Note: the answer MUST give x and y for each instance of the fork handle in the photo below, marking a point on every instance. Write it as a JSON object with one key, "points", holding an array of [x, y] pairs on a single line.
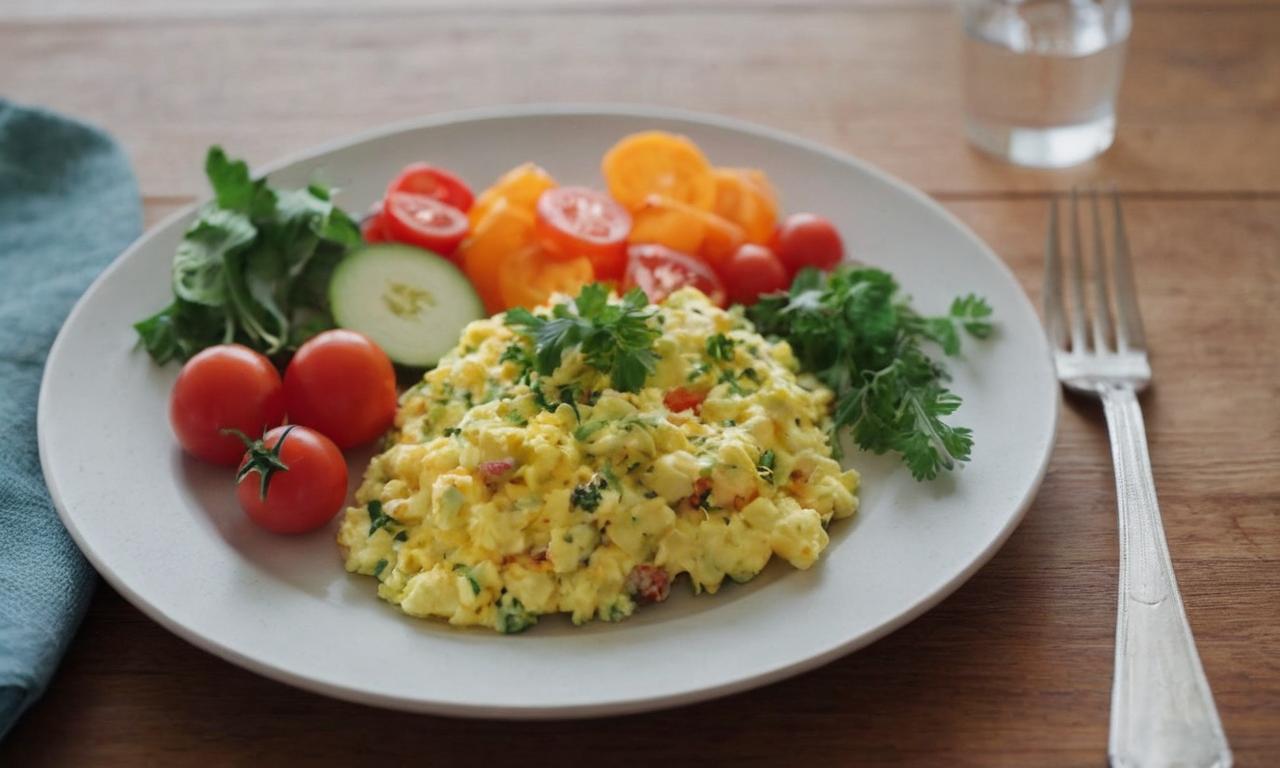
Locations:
{"points": [[1162, 711]]}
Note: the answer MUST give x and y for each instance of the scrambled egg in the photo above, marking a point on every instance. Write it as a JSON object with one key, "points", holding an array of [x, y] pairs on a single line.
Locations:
{"points": [[496, 502]]}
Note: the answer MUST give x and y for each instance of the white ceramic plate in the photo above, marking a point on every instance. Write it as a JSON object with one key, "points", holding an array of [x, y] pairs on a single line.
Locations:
{"points": [[165, 531]]}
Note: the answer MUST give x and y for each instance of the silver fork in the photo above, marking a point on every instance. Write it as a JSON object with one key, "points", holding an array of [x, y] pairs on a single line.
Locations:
{"points": [[1162, 712]]}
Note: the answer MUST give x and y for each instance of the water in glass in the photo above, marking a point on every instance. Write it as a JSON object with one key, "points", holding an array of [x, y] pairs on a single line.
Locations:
{"points": [[1041, 77]]}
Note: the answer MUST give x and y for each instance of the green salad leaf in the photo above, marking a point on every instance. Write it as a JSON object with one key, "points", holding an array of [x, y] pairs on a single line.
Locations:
{"points": [[855, 332], [252, 268]]}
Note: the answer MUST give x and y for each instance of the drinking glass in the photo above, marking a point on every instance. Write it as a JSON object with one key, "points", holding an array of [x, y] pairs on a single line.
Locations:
{"points": [[1041, 77]]}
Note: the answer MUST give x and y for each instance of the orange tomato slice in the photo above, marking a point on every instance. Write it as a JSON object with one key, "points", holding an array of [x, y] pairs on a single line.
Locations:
{"points": [[658, 163], [503, 231], [681, 227], [529, 277], [745, 197], [667, 222], [722, 241], [520, 187]]}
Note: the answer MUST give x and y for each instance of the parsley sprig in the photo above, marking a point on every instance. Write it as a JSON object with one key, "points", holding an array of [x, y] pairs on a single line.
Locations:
{"points": [[615, 338], [861, 338]]}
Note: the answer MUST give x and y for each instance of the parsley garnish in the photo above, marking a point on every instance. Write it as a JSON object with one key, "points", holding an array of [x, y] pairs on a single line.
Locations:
{"points": [[451, 431], [379, 568], [587, 496], [378, 518], [615, 338], [720, 347], [862, 339], [765, 466]]}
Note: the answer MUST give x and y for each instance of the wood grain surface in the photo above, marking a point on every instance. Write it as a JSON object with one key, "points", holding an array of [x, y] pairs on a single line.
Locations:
{"points": [[1013, 669]]}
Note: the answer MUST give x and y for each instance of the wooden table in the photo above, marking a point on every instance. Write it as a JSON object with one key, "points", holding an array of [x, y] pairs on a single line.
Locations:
{"points": [[1015, 668]]}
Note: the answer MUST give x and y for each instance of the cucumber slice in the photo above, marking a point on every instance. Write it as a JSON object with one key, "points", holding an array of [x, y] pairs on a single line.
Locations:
{"points": [[411, 302]]}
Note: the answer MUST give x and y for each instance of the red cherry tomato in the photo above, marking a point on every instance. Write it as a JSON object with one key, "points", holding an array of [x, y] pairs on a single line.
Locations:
{"points": [[424, 221], [428, 180], [576, 221], [306, 480], [659, 271], [224, 387], [342, 385], [807, 240], [372, 228], [751, 271], [681, 399]]}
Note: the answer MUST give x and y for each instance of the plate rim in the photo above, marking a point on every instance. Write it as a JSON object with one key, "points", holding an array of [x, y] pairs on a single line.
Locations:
{"points": [[576, 711]]}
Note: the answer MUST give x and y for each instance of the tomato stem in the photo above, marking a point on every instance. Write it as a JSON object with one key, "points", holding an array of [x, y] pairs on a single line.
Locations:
{"points": [[261, 459]]}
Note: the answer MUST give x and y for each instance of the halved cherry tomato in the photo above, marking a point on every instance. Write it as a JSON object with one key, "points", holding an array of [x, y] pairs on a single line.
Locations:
{"points": [[303, 494], [658, 163], [343, 385], [576, 221], [808, 240], [424, 221], [428, 180], [372, 230], [504, 229], [745, 197], [659, 271], [228, 386], [751, 271], [530, 277], [520, 187], [681, 399]]}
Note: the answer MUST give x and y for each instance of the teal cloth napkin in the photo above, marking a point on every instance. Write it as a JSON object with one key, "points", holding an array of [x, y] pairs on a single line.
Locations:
{"points": [[68, 205]]}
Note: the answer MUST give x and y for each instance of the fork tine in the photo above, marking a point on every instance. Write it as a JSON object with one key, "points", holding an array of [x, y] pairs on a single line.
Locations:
{"points": [[1075, 272], [1129, 331], [1101, 319], [1055, 322]]}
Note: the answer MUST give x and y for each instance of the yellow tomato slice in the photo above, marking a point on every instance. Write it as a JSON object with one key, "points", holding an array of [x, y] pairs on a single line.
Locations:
{"points": [[520, 187], [745, 197], [529, 277], [503, 231], [658, 163]]}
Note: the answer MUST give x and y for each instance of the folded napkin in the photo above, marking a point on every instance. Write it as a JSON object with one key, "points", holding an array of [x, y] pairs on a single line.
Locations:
{"points": [[68, 205]]}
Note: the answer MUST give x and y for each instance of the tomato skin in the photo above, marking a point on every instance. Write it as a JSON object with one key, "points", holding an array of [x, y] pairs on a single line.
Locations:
{"points": [[303, 497], [577, 221], [660, 271], [681, 399], [224, 387], [807, 240], [342, 385], [751, 271], [423, 221], [372, 229], [426, 179]]}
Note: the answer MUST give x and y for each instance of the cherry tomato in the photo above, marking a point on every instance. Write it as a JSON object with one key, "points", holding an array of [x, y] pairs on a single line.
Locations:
{"points": [[660, 271], [751, 271], [372, 229], [807, 240], [305, 480], [342, 385], [224, 387], [681, 399], [576, 221], [423, 221], [428, 180]]}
